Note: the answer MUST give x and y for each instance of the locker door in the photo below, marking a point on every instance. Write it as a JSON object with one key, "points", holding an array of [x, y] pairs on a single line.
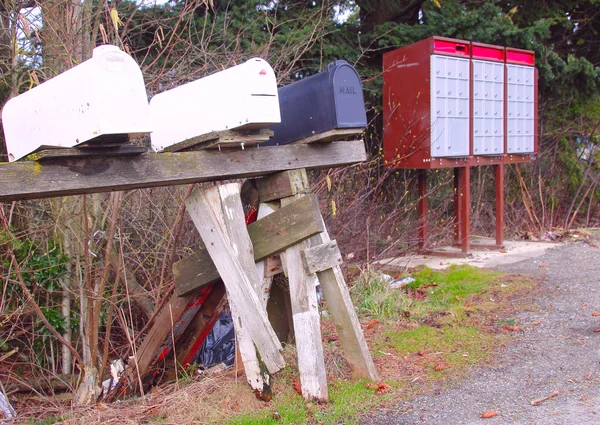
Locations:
{"points": [[520, 118], [488, 114], [449, 106]]}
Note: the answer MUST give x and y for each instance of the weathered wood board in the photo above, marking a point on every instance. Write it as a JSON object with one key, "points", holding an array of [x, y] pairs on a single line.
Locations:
{"points": [[61, 177], [235, 265], [332, 135], [282, 185], [307, 323], [223, 139], [269, 235], [322, 257]]}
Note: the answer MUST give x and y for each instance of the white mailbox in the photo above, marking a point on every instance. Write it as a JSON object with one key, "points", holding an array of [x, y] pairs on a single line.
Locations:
{"points": [[449, 106], [488, 108], [521, 109], [240, 97], [104, 96]]}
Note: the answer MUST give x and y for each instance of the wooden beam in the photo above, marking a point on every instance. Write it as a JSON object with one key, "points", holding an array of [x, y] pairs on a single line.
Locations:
{"points": [[269, 235], [193, 272], [286, 227], [222, 228], [282, 185], [322, 257], [307, 324], [341, 309], [62, 177]]}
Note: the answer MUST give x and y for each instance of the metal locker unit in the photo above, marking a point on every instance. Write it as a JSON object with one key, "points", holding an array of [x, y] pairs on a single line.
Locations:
{"points": [[449, 106], [103, 98], [426, 107], [488, 103], [329, 100], [521, 105], [240, 97]]}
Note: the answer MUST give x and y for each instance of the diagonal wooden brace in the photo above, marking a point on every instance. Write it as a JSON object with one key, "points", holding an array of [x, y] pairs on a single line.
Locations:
{"points": [[218, 215]]}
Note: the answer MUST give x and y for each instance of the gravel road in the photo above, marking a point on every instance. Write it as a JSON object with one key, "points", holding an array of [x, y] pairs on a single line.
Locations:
{"points": [[557, 351]]}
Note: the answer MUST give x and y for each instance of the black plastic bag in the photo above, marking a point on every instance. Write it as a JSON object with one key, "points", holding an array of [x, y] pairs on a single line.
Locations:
{"points": [[219, 346]]}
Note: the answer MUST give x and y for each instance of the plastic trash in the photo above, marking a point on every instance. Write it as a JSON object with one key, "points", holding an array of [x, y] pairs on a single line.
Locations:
{"points": [[219, 346], [395, 283]]}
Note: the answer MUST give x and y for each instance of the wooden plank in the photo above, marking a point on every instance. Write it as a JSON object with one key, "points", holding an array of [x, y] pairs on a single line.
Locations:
{"points": [[193, 272], [307, 324], [198, 329], [282, 185], [269, 235], [62, 177], [321, 257], [285, 227], [341, 309], [223, 138], [97, 151], [332, 135], [204, 207]]}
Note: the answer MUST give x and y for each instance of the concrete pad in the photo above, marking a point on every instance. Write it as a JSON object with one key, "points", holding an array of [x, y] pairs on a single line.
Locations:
{"points": [[514, 251]]}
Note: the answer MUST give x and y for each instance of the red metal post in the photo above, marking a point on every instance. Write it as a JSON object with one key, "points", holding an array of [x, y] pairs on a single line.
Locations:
{"points": [[422, 207], [499, 204], [457, 206], [465, 219]]}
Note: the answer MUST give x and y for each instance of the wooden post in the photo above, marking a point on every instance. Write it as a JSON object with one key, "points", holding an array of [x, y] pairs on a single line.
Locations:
{"points": [[218, 215], [307, 323], [499, 204]]}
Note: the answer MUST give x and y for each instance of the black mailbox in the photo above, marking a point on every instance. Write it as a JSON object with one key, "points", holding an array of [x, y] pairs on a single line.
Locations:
{"points": [[329, 100]]}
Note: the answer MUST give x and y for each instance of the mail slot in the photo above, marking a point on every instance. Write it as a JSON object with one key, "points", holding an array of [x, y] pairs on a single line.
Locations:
{"points": [[240, 97], [101, 98], [329, 100]]}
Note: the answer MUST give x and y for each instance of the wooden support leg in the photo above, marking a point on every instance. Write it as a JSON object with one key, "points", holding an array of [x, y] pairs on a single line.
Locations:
{"points": [[465, 220], [341, 309], [307, 323], [218, 215], [422, 208], [499, 204]]}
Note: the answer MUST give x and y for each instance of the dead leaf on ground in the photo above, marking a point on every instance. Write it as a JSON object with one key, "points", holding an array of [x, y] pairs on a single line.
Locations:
{"points": [[382, 388], [541, 400], [297, 386], [502, 251], [595, 314], [468, 304], [541, 266], [423, 352], [489, 414], [441, 366], [510, 328], [372, 323], [597, 330]]}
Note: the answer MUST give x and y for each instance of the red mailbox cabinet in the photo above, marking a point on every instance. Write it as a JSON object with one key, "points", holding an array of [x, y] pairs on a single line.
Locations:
{"points": [[455, 103], [426, 105]]}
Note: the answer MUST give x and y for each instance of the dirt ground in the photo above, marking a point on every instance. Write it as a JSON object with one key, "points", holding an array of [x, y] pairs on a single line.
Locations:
{"points": [[556, 353]]}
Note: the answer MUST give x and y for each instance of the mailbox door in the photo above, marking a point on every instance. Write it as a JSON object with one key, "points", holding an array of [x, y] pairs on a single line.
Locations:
{"points": [[488, 108], [348, 95], [449, 106], [520, 109]]}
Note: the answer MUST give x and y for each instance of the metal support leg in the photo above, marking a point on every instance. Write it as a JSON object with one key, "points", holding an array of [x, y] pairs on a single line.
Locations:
{"points": [[422, 207], [465, 218], [457, 206], [499, 204]]}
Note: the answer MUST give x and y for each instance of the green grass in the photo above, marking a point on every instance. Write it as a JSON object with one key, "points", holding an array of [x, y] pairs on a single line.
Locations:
{"points": [[347, 400], [444, 291]]}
